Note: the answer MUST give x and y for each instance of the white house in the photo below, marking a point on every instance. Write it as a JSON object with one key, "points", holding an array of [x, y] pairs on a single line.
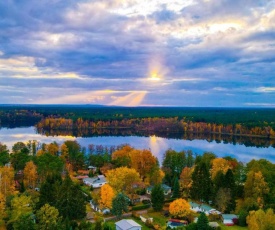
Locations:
{"points": [[127, 224], [228, 219], [96, 181]]}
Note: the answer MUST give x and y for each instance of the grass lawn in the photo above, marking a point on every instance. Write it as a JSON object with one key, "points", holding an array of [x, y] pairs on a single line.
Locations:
{"points": [[223, 227], [158, 218]]}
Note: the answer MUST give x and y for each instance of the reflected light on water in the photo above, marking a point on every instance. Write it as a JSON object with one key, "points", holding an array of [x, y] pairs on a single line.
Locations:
{"points": [[157, 145]]}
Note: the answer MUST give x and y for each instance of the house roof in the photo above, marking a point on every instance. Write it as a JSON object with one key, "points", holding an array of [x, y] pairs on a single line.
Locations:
{"points": [[95, 180], [164, 187], [125, 224], [229, 216]]}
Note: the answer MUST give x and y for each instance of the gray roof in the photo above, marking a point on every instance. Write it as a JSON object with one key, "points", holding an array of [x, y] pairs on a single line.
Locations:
{"points": [[125, 224], [97, 179], [229, 216], [164, 187]]}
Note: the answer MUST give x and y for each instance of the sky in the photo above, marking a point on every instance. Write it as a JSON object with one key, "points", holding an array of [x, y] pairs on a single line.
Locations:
{"points": [[216, 53]]}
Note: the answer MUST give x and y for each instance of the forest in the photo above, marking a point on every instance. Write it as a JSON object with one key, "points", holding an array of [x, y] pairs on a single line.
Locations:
{"points": [[41, 187], [24, 115]]}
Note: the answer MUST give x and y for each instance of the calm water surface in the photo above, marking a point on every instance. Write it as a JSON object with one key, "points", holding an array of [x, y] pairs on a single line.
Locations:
{"points": [[157, 145]]}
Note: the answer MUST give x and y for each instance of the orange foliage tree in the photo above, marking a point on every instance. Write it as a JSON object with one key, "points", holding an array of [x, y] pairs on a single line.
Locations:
{"points": [[30, 175], [186, 180], [219, 164], [7, 184], [180, 208], [106, 196]]}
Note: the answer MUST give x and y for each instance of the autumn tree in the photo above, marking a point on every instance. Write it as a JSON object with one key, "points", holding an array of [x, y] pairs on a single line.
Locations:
{"points": [[255, 189], [180, 208], [261, 220], [121, 157], [7, 184], [143, 162], [52, 148], [64, 152], [30, 175], [186, 180], [222, 198], [156, 176], [47, 217], [106, 196], [119, 205], [20, 205], [2, 208], [123, 179], [157, 197], [219, 164]]}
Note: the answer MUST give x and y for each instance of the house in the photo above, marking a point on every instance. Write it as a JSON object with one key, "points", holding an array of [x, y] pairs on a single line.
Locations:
{"points": [[92, 168], [229, 219], [95, 207], [127, 224], [95, 182], [166, 189]]}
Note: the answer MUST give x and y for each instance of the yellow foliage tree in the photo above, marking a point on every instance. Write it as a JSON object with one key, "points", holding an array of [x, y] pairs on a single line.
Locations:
{"points": [[52, 148], [180, 208], [156, 176], [7, 184], [260, 220], [123, 179], [219, 164], [30, 175], [64, 152], [2, 208], [255, 188], [186, 180], [106, 196], [40, 152], [20, 205]]}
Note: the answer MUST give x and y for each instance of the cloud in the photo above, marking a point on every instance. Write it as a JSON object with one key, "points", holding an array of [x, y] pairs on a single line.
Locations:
{"points": [[217, 51]]}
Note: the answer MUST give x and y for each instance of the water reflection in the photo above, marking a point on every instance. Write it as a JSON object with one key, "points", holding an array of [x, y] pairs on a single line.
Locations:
{"points": [[158, 145]]}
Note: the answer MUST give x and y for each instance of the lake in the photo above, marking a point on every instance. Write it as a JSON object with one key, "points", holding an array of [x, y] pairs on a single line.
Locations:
{"points": [[158, 145]]}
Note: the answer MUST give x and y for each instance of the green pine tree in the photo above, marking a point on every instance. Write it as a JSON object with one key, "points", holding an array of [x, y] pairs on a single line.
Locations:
{"points": [[202, 185], [120, 205], [176, 188], [71, 200], [202, 223], [157, 197]]}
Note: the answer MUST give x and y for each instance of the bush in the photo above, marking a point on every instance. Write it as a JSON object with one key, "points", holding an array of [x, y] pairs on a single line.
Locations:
{"points": [[242, 218], [192, 226], [140, 207]]}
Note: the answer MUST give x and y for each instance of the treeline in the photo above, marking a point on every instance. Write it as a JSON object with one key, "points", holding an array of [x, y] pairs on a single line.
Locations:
{"points": [[248, 117], [156, 125]]}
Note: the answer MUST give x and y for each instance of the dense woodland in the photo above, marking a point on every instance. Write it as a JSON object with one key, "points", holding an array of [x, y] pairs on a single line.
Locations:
{"points": [[39, 188], [16, 115]]}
